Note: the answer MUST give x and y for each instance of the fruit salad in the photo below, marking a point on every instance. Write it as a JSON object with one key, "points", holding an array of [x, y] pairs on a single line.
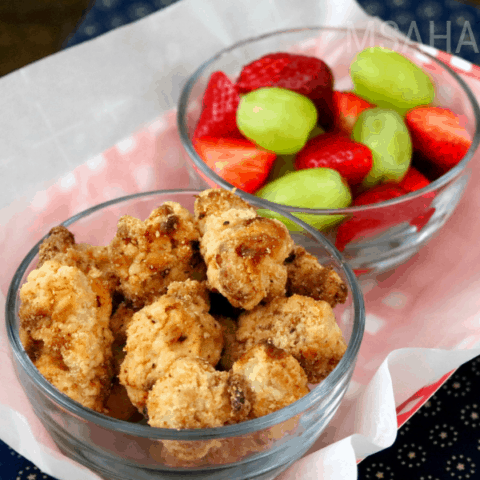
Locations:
{"points": [[282, 132]]}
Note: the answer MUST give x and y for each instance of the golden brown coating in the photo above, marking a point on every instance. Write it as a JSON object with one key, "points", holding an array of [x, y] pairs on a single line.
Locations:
{"points": [[149, 255], [274, 376], [303, 327], [216, 201], [244, 253], [307, 277], [93, 261], [176, 325], [232, 349], [192, 394], [65, 316]]}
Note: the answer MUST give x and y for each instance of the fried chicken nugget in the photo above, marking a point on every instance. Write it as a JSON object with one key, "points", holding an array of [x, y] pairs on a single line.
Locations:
{"points": [[308, 278], [64, 319], [92, 260], [274, 376], [176, 325], [149, 255], [303, 327], [192, 394], [244, 253]]}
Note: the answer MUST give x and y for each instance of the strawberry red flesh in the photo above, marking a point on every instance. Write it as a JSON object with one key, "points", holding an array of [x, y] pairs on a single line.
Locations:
{"points": [[351, 159], [239, 162], [346, 108], [219, 107], [308, 76], [372, 222], [438, 136], [414, 180]]}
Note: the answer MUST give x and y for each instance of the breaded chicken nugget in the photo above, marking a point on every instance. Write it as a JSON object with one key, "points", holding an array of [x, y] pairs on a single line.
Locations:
{"points": [[93, 261], [244, 253], [149, 255], [307, 277], [64, 319], [192, 394], [274, 376], [176, 325], [303, 327]]}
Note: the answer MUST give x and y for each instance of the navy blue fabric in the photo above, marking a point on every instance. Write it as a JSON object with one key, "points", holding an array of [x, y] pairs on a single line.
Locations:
{"points": [[106, 15], [442, 441]]}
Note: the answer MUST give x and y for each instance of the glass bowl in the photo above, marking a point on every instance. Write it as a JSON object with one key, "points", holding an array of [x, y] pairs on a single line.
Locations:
{"points": [[388, 233], [115, 449]]}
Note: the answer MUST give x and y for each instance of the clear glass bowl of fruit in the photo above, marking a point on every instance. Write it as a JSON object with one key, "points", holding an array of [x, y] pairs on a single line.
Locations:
{"points": [[368, 141]]}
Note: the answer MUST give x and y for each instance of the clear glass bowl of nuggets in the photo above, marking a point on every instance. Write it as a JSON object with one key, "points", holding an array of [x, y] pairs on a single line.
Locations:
{"points": [[177, 333]]}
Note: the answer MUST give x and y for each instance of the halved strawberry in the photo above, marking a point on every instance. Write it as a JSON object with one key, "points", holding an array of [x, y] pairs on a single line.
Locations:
{"points": [[372, 222], [438, 136], [306, 75], [414, 180], [239, 162], [351, 159], [346, 108], [219, 108]]}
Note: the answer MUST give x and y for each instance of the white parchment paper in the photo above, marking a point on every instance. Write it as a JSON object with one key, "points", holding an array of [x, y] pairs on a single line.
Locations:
{"points": [[60, 111]]}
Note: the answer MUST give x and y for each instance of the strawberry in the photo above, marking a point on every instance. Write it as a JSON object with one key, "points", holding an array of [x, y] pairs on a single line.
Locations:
{"points": [[220, 102], [238, 161], [417, 212], [346, 108], [368, 221], [351, 159], [414, 180], [380, 193], [308, 76], [438, 136]]}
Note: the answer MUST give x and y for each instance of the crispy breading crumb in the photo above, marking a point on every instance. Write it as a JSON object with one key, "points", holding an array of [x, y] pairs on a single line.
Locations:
{"points": [[216, 201], [307, 277], [304, 327]]}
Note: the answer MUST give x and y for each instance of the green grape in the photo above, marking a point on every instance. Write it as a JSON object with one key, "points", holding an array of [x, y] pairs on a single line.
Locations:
{"points": [[276, 119], [387, 136], [311, 188], [389, 80]]}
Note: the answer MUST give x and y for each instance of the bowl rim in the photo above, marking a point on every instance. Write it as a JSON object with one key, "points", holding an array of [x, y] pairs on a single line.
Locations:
{"points": [[209, 173], [145, 431]]}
